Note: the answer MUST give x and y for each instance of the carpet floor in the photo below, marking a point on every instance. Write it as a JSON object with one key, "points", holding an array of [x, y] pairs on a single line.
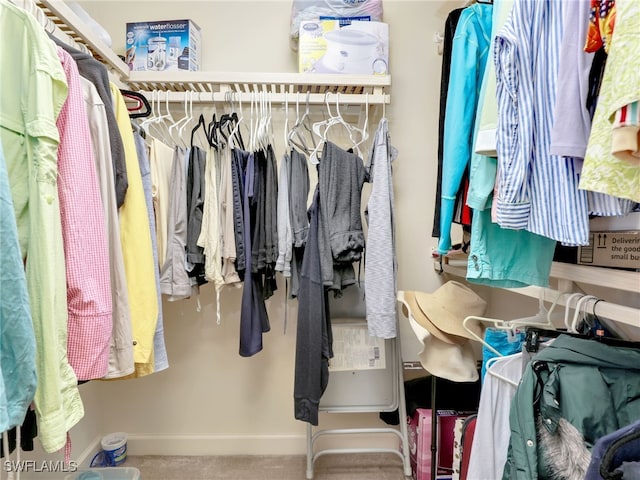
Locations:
{"points": [[256, 467]]}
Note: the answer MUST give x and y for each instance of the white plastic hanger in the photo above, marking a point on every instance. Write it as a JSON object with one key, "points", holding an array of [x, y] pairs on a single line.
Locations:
{"points": [[163, 121], [175, 130], [364, 131], [236, 128], [488, 366], [289, 141], [286, 119], [577, 318], [567, 307], [187, 121], [297, 135], [322, 127], [147, 121], [542, 319], [253, 120]]}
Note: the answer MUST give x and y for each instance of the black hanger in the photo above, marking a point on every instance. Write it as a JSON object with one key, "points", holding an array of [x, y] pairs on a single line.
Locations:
{"points": [[141, 101], [533, 335], [201, 123], [212, 132], [225, 123], [238, 134]]}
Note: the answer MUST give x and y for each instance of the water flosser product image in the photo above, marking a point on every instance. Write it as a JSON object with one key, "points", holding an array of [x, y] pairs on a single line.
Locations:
{"points": [[157, 53], [174, 50]]}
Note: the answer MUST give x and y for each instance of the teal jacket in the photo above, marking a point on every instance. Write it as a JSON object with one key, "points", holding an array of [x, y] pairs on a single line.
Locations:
{"points": [[595, 387]]}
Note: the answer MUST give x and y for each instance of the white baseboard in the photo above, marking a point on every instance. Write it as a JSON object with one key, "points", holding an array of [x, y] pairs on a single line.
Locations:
{"points": [[82, 462], [150, 444], [85, 457]]}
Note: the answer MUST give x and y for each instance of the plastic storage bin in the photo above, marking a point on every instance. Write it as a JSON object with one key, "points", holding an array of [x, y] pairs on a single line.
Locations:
{"points": [[107, 473]]}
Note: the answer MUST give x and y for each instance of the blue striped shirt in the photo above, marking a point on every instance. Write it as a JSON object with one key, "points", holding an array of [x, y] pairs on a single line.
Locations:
{"points": [[537, 191]]}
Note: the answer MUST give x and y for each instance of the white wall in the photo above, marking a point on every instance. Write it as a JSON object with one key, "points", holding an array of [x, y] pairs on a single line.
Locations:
{"points": [[210, 400]]}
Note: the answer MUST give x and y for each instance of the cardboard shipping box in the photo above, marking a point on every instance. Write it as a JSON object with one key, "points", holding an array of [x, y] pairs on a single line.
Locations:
{"points": [[619, 249]]}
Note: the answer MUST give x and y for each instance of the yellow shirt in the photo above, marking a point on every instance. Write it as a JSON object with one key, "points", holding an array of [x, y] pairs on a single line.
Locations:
{"points": [[135, 235]]}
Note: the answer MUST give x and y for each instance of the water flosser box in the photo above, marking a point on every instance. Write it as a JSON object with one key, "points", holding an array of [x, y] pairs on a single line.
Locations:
{"points": [[163, 45]]}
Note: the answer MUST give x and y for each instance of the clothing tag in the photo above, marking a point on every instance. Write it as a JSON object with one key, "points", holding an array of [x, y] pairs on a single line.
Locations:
{"points": [[511, 336]]}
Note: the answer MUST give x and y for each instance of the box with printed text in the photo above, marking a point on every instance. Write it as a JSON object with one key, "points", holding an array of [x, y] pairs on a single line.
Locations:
{"points": [[328, 46], [618, 249], [163, 45]]}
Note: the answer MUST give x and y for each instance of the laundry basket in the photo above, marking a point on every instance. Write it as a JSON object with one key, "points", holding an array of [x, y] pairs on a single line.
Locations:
{"points": [[107, 473]]}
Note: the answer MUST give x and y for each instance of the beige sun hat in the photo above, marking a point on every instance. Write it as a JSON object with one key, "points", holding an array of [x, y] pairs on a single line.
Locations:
{"points": [[455, 362], [445, 309]]}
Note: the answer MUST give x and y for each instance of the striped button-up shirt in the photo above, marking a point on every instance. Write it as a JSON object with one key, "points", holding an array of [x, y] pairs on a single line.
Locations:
{"points": [[537, 191]]}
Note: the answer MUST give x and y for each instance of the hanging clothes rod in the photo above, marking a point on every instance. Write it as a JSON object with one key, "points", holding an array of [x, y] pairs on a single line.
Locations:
{"points": [[246, 97]]}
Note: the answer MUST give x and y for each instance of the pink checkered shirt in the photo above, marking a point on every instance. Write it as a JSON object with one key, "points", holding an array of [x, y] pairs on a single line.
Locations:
{"points": [[84, 235]]}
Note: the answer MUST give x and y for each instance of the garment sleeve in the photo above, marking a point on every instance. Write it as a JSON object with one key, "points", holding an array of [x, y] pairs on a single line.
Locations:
{"points": [[57, 400], [513, 135], [458, 126], [285, 235]]}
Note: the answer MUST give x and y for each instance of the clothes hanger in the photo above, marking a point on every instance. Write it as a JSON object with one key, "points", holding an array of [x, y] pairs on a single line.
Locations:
{"points": [[141, 101], [533, 335], [262, 121], [336, 119], [235, 136], [488, 366], [175, 128], [293, 136], [144, 125], [286, 119], [364, 135], [351, 128], [270, 124], [567, 307], [576, 316], [252, 119], [160, 123], [225, 122], [542, 319], [296, 136], [201, 123], [187, 121]]}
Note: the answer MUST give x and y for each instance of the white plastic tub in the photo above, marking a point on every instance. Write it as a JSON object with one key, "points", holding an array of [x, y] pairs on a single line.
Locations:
{"points": [[107, 473]]}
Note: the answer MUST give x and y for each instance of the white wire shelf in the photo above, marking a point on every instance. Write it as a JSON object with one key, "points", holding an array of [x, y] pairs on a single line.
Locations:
{"points": [[221, 86], [623, 280]]}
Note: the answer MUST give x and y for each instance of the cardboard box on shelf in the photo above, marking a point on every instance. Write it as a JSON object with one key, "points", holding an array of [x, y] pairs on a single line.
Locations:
{"points": [[360, 48], [163, 45], [619, 249]]}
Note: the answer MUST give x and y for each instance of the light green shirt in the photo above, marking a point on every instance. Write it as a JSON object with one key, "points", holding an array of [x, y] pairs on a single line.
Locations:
{"points": [[32, 93], [602, 171], [485, 143]]}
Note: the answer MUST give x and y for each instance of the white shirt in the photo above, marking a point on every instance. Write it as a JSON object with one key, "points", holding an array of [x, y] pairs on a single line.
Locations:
{"points": [[492, 433]]}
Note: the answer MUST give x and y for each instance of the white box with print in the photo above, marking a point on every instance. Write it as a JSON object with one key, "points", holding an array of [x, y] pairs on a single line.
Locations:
{"points": [[357, 48], [163, 45]]}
